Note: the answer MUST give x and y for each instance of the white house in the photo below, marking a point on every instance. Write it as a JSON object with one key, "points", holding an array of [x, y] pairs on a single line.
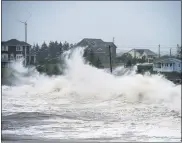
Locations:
{"points": [[143, 53], [168, 65]]}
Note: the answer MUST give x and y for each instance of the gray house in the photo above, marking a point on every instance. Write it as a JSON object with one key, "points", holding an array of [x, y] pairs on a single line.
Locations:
{"points": [[167, 65], [13, 50], [100, 49]]}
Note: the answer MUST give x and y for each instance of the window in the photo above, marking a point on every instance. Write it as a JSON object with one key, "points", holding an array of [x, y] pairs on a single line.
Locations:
{"points": [[4, 65], [18, 56], [99, 49], [4, 57], [170, 65], [28, 49], [179, 65], [158, 65], [18, 48], [4, 48], [93, 43]]}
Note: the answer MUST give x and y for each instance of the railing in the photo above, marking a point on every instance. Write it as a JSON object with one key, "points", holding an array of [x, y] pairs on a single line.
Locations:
{"points": [[4, 60], [7, 60]]}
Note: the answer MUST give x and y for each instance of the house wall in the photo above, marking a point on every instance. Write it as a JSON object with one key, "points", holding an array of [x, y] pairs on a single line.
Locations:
{"points": [[178, 67], [147, 56], [113, 54], [4, 57], [150, 58], [102, 53], [13, 54], [168, 67], [101, 50], [165, 67], [102, 56]]}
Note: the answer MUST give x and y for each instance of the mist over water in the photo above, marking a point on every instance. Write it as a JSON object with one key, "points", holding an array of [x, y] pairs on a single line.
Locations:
{"points": [[90, 103]]}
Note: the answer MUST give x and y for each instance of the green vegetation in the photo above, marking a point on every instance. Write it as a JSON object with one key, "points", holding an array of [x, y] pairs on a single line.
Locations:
{"points": [[48, 57]]}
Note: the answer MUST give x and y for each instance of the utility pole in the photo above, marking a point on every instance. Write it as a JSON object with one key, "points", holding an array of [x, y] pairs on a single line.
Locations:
{"points": [[25, 40], [177, 51], [26, 32], [159, 50], [110, 58], [25, 22], [113, 39], [170, 52]]}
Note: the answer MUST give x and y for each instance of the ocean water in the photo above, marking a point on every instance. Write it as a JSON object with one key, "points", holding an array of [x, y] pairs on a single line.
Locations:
{"points": [[86, 103]]}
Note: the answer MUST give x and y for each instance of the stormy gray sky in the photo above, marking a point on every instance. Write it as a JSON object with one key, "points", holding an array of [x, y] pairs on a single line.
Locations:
{"points": [[133, 24]]}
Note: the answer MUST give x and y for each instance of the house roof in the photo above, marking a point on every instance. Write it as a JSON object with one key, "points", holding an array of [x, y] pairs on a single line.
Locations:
{"points": [[167, 60], [95, 43], [14, 42], [111, 44], [90, 42], [147, 51]]}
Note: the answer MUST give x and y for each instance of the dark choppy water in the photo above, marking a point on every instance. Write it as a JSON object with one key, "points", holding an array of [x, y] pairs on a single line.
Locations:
{"points": [[129, 122]]}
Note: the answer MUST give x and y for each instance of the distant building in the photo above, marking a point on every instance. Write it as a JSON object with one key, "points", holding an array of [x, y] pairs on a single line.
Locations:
{"points": [[167, 65], [146, 54], [13, 50], [99, 48]]}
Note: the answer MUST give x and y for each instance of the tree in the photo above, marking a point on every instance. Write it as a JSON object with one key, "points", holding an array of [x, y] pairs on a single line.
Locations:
{"points": [[125, 57], [51, 50], [37, 48], [56, 43], [44, 46], [66, 46], [60, 46], [128, 63], [71, 46], [33, 46], [56, 70], [40, 68], [51, 44], [48, 69], [138, 60]]}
